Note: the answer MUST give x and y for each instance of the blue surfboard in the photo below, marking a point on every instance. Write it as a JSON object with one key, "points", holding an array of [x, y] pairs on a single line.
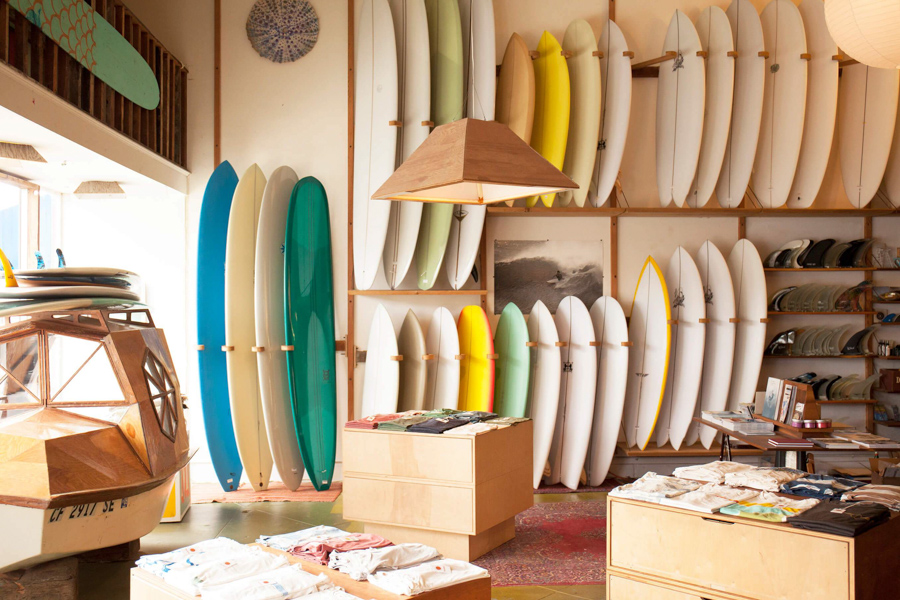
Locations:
{"points": [[211, 325]]}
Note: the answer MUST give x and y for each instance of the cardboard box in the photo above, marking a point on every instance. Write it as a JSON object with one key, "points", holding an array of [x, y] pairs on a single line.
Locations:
{"points": [[878, 466], [890, 380]]}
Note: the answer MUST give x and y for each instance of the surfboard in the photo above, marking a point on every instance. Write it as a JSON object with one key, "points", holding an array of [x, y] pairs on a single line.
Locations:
{"points": [[414, 111], [611, 332], [268, 289], [411, 346], [442, 371], [66, 291], [714, 31], [513, 363], [545, 376], [515, 89], [867, 113], [211, 239], [751, 308], [240, 332], [445, 41], [680, 99], [784, 103], [577, 391], [374, 138], [476, 368], [584, 113], [688, 308], [746, 111], [96, 45], [15, 308], [309, 329], [821, 106], [648, 357], [892, 171], [615, 112], [551, 107], [382, 378], [85, 276]]}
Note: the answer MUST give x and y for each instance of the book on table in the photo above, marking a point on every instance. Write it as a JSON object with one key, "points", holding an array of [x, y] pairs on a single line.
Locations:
{"points": [[789, 441], [773, 396], [833, 443]]}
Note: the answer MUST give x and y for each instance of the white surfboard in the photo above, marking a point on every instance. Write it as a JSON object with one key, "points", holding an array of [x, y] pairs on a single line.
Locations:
{"points": [[480, 78], [720, 333], [66, 291], [411, 346], [382, 378], [680, 97], [648, 358], [867, 113], [615, 112], [268, 289], [441, 371], [611, 332], [715, 37], [688, 307], [821, 106], [374, 138], [746, 112], [784, 103], [584, 109], [240, 332], [751, 308], [577, 391], [545, 378], [414, 111]]}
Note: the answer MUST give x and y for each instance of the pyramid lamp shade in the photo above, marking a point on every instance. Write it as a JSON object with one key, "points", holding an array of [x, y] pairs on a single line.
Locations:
{"points": [[866, 30], [473, 162]]}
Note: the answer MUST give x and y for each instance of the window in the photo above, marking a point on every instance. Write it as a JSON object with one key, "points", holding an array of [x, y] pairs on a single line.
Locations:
{"points": [[80, 371], [29, 221], [162, 394], [12, 223], [20, 371]]}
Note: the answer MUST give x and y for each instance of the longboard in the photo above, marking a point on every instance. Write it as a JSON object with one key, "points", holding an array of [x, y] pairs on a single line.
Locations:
{"points": [[411, 346], [551, 107], [545, 377], [382, 378], [513, 363], [442, 371], [66, 291], [476, 368], [751, 309], [85, 276]]}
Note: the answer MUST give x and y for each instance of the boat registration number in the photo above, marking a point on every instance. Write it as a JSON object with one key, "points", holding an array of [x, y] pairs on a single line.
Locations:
{"points": [[83, 511]]}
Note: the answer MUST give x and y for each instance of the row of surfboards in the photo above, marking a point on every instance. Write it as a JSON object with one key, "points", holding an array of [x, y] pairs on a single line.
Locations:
{"points": [[265, 325]]}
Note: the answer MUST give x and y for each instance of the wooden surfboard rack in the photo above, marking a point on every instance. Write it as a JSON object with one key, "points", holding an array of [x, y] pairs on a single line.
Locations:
{"points": [[562, 344], [287, 348], [531, 344], [258, 349], [595, 344], [428, 357], [627, 344], [460, 357], [397, 358], [493, 356], [227, 348]]}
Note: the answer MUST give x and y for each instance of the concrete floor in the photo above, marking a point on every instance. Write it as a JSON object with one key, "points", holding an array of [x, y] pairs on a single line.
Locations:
{"points": [[244, 522]]}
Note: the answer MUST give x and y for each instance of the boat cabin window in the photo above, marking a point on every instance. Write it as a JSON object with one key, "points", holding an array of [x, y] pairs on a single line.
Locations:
{"points": [[80, 371], [162, 394], [20, 371]]}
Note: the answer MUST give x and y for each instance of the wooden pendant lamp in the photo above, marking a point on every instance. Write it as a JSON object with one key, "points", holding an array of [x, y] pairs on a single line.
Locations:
{"points": [[473, 162]]}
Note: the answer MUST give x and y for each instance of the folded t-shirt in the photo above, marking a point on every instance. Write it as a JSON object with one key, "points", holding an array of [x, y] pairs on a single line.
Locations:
{"points": [[714, 472], [822, 487], [285, 582], [359, 564], [371, 422], [437, 425], [251, 560], [196, 554], [727, 492], [317, 549], [886, 495], [698, 501], [509, 420], [767, 479], [848, 519], [286, 541], [653, 488], [332, 594], [478, 428], [475, 416], [768, 507], [427, 576], [402, 424]]}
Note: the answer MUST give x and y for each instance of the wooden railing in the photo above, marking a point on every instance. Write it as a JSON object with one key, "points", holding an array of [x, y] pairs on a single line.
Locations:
{"points": [[162, 130]]}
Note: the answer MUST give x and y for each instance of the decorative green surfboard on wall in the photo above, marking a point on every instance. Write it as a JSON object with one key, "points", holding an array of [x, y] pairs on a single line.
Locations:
{"points": [[94, 43]]}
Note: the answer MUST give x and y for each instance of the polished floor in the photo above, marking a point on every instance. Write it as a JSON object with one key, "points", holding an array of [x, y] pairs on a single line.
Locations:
{"points": [[244, 522]]}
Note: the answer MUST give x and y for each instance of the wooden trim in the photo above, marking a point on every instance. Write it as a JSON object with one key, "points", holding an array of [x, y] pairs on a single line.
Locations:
{"points": [[417, 292], [614, 257], [11, 179], [670, 55], [351, 308], [217, 83]]}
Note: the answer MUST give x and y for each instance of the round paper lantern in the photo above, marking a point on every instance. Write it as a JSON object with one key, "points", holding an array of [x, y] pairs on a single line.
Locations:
{"points": [[866, 30]]}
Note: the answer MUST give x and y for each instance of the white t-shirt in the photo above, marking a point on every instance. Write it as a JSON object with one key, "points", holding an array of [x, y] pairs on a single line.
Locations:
{"points": [[427, 576], [767, 479], [205, 551], [728, 493], [286, 541], [713, 472], [285, 582], [653, 488], [332, 594], [698, 501], [226, 568], [359, 564]]}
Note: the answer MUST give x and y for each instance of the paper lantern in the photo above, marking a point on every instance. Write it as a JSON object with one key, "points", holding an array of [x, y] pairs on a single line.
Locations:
{"points": [[866, 30]]}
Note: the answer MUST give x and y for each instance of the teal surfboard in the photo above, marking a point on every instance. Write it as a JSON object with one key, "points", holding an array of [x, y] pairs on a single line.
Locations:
{"points": [[309, 328], [513, 365], [94, 43]]}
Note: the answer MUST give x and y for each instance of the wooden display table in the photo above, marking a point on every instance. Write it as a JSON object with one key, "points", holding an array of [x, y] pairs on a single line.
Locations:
{"points": [[457, 493], [661, 553]]}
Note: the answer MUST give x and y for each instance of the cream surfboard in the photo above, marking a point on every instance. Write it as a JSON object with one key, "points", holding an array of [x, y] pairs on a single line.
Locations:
{"points": [[784, 103], [680, 98], [688, 307], [545, 378], [648, 358], [577, 391], [66, 291], [270, 332], [715, 37], [615, 112], [580, 47], [746, 111], [751, 309], [374, 137], [240, 334], [411, 346], [382, 378], [515, 89], [892, 172], [414, 111], [867, 113], [551, 107], [821, 106], [442, 365], [611, 333]]}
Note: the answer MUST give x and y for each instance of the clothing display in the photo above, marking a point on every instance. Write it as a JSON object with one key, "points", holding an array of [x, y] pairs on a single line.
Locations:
{"points": [[848, 519], [318, 549], [370, 422], [478, 428], [698, 501], [440, 413], [402, 424], [427, 576], [768, 507], [205, 551], [285, 582], [768, 479], [475, 416], [437, 425], [653, 488], [712, 472], [359, 564], [886, 495], [243, 562], [822, 487], [286, 541], [508, 420], [727, 492], [332, 594]]}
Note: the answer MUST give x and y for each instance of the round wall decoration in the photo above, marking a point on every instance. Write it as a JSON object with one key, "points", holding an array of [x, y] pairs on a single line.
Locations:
{"points": [[283, 30]]}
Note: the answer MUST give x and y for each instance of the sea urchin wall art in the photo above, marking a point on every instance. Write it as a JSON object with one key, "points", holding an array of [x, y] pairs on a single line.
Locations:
{"points": [[283, 30]]}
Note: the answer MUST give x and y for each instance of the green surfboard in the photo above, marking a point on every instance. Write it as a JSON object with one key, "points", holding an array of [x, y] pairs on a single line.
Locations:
{"points": [[309, 328], [94, 43], [513, 365]]}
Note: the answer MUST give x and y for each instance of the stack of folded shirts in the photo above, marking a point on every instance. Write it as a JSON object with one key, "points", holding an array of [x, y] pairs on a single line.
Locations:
{"points": [[318, 549], [653, 488], [848, 519], [437, 425], [204, 551], [709, 498], [822, 487], [285, 582], [359, 564], [714, 472], [475, 416], [427, 576], [508, 420], [286, 541], [438, 413], [332, 594], [886, 495], [768, 507], [402, 424], [478, 428], [370, 422], [767, 479]]}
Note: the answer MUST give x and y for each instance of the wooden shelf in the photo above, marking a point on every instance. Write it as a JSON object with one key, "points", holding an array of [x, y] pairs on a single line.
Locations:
{"points": [[827, 212], [822, 269], [418, 292], [658, 211], [888, 423], [818, 356], [887, 357], [670, 211], [561, 211], [778, 313], [850, 401], [695, 450]]}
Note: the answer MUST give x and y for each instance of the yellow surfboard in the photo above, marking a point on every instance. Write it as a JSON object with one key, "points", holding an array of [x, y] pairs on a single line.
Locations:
{"points": [[476, 366], [551, 107]]}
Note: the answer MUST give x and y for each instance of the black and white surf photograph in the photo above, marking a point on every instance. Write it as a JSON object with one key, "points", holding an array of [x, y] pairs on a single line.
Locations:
{"points": [[526, 271]]}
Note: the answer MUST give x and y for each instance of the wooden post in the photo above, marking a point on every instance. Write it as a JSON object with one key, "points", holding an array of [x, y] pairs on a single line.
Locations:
{"points": [[351, 318], [870, 320], [217, 83], [742, 228], [483, 266], [612, 10]]}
